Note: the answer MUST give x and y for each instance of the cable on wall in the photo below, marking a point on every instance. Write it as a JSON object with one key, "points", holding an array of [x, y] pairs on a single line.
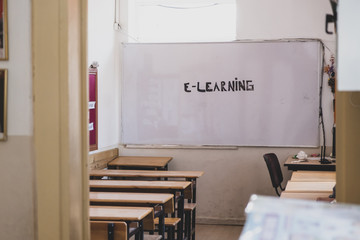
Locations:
{"points": [[117, 25]]}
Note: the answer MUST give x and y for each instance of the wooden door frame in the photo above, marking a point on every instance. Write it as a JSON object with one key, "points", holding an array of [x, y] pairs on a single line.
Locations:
{"points": [[347, 147], [59, 49]]}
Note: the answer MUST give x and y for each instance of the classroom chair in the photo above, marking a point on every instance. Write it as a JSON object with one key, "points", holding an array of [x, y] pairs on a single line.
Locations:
{"points": [[273, 166]]}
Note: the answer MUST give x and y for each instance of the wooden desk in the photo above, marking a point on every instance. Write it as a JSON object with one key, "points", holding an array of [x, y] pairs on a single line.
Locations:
{"points": [[313, 176], [128, 174], [101, 230], [174, 187], [143, 186], [304, 195], [151, 199], [146, 173], [310, 165], [310, 187], [144, 216], [164, 200], [140, 163]]}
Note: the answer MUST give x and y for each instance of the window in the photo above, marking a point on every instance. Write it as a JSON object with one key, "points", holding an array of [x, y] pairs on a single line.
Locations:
{"points": [[182, 20]]}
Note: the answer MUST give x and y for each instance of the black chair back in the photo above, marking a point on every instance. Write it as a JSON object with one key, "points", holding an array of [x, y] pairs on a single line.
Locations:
{"points": [[273, 166]]}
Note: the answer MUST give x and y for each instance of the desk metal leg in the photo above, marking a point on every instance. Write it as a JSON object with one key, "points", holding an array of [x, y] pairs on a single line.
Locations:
{"points": [[128, 231], [187, 225], [140, 234], [111, 227], [181, 216], [162, 224], [193, 224]]}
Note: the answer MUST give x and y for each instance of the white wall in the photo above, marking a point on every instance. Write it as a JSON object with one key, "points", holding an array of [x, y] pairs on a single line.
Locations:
{"points": [[16, 154], [20, 121], [103, 48], [231, 176]]}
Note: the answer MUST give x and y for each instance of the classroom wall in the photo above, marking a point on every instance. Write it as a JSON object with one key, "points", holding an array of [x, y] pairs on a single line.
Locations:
{"points": [[16, 154], [231, 176], [103, 47]]}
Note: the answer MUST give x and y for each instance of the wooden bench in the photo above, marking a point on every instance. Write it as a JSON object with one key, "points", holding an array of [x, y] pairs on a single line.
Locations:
{"points": [[103, 230], [190, 215], [170, 225]]}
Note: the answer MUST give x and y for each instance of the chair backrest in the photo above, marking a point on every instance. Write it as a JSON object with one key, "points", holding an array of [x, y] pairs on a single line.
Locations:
{"points": [[104, 230], [273, 166]]}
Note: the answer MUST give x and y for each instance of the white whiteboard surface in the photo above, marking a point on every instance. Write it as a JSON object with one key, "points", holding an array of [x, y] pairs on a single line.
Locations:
{"points": [[167, 97]]}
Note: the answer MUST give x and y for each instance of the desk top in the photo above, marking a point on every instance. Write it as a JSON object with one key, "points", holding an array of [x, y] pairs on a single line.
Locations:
{"points": [[145, 173], [116, 213], [316, 187], [304, 195], [177, 185], [130, 184], [131, 197], [313, 176], [312, 164], [137, 161]]}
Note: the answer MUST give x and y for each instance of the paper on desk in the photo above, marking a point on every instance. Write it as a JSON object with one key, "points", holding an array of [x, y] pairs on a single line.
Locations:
{"points": [[301, 155], [282, 219]]}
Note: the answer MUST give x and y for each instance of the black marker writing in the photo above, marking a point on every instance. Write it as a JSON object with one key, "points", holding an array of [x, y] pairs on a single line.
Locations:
{"points": [[223, 86]]}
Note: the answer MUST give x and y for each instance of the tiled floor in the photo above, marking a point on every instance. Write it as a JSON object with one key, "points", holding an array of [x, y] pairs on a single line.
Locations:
{"points": [[217, 232]]}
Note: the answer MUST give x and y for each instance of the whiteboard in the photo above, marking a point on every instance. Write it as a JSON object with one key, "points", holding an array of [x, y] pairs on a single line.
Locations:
{"points": [[223, 94]]}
